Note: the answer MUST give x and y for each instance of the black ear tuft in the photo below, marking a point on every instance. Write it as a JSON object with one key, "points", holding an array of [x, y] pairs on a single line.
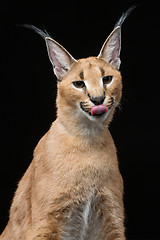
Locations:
{"points": [[124, 16], [42, 33]]}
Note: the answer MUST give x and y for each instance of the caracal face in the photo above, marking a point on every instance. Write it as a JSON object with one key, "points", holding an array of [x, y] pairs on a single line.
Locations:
{"points": [[92, 88]]}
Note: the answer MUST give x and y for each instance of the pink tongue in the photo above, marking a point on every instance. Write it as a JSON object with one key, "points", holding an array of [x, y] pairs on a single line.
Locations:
{"points": [[98, 109]]}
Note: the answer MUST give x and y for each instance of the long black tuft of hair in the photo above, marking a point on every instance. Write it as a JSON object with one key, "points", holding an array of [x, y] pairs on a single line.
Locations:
{"points": [[124, 16], [42, 33]]}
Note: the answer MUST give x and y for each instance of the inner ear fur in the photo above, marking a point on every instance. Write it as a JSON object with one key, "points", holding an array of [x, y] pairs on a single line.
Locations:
{"points": [[110, 50], [59, 57]]}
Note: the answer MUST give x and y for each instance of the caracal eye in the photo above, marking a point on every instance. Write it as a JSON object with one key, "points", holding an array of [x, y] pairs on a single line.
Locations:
{"points": [[79, 84], [107, 79]]}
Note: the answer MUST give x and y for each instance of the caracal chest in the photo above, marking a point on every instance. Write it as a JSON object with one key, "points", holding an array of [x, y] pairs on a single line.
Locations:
{"points": [[86, 220]]}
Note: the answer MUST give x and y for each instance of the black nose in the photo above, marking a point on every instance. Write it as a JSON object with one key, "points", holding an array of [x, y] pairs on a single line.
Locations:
{"points": [[97, 100]]}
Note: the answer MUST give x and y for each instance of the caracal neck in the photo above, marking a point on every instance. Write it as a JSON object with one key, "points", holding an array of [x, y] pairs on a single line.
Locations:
{"points": [[87, 133]]}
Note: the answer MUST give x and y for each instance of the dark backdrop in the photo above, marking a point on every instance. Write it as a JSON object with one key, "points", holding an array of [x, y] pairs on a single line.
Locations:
{"points": [[28, 91]]}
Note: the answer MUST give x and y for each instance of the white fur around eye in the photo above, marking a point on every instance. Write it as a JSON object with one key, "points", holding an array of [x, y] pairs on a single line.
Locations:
{"points": [[87, 84], [101, 82]]}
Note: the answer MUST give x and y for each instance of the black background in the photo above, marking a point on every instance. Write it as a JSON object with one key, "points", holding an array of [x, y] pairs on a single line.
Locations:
{"points": [[28, 91]]}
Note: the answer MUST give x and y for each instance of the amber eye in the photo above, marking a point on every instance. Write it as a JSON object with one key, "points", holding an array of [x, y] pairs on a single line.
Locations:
{"points": [[79, 84], [107, 79]]}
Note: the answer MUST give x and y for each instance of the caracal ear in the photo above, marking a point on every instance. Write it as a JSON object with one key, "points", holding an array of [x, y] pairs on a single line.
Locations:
{"points": [[59, 57], [111, 48]]}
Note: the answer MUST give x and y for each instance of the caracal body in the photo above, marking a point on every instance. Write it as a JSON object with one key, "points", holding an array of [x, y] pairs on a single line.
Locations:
{"points": [[73, 189]]}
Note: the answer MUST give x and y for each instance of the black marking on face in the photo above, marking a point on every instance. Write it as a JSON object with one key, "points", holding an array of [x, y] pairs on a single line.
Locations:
{"points": [[81, 75], [89, 96], [102, 71], [85, 107], [90, 65], [110, 102]]}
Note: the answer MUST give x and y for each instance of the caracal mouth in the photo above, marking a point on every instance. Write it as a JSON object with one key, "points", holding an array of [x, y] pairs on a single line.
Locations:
{"points": [[98, 110], [95, 112]]}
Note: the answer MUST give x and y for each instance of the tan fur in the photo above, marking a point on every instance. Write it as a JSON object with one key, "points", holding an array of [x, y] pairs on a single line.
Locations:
{"points": [[73, 189]]}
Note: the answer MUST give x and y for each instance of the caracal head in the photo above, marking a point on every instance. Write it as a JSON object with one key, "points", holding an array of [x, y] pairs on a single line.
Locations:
{"points": [[88, 88]]}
